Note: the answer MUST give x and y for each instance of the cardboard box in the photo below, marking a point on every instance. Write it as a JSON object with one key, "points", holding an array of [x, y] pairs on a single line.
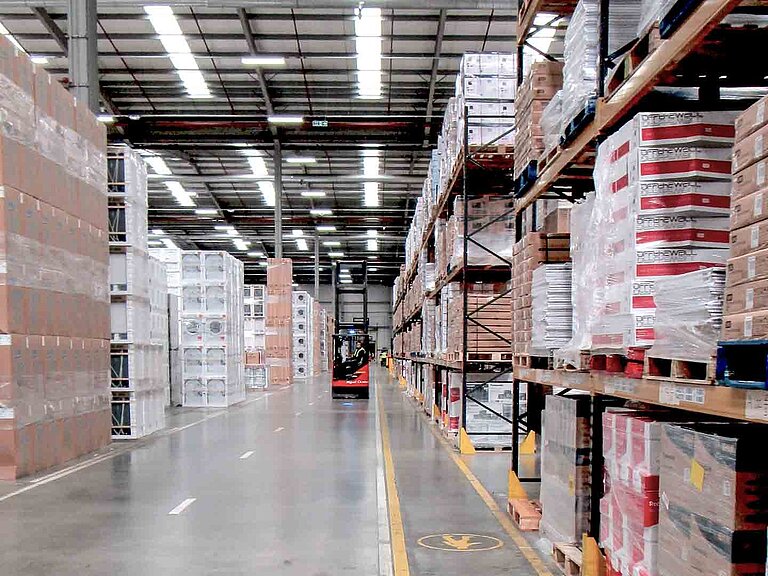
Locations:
{"points": [[747, 268], [751, 119], [750, 149], [746, 326], [749, 239], [746, 297], [749, 209], [680, 162], [675, 128], [749, 180]]}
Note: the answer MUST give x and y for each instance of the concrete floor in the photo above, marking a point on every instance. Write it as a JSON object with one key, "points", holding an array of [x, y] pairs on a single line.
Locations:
{"points": [[284, 484]]}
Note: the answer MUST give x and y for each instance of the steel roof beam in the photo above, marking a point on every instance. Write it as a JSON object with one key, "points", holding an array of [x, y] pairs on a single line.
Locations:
{"points": [[433, 73]]}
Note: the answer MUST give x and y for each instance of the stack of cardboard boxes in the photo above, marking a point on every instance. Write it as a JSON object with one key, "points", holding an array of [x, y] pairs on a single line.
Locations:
{"points": [[566, 468], [662, 193], [279, 321], [139, 355], [543, 81], [54, 397], [713, 513], [535, 249], [746, 301]]}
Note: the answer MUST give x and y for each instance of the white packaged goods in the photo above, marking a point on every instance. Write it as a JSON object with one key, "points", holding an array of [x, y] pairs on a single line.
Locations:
{"points": [[660, 212], [689, 315], [552, 310], [212, 324], [139, 305], [552, 122], [565, 468], [302, 334], [485, 428], [490, 222]]}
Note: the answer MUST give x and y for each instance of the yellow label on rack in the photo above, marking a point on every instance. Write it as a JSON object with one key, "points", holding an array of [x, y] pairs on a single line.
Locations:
{"points": [[571, 485], [697, 475]]}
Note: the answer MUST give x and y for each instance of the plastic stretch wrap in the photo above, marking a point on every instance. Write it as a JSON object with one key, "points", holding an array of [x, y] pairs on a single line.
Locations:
{"points": [[490, 223], [485, 428], [713, 514], [212, 338], [689, 315], [565, 468], [552, 122]]}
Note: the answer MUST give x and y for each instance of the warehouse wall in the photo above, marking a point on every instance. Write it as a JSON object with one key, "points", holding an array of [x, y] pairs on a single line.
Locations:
{"points": [[379, 309]]}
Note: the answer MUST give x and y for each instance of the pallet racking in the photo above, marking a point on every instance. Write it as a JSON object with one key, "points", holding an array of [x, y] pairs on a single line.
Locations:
{"points": [[688, 47]]}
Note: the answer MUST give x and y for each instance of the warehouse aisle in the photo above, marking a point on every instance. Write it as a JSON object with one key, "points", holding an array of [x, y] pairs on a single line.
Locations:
{"points": [[285, 484]]}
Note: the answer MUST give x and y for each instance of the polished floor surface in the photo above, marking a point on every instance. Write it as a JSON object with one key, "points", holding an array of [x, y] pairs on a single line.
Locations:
{"points": [[287, 483]]}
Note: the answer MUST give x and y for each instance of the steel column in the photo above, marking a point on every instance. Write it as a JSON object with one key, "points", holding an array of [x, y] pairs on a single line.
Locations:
{"points": [[317, 267], [83, 53], [278, 160]]}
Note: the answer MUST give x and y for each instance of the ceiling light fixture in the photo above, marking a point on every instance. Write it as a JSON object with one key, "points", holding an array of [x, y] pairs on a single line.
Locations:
{"points": [[181, 196], [285, 119], [241, 244], [105, 118], [373, 245], [39, 59], [263, 60], [157, 232], [332, 243], [371, 195], [373, 269], [326, 228], [166, 26], [321, 212], [297, 233], [154, 242], [345, 280], [158, 165], [223, 227], [206, 211], [373, 233], [301, 244], [255, 254], [368, 47], [301, 160], [313, 194], [336, 254]]}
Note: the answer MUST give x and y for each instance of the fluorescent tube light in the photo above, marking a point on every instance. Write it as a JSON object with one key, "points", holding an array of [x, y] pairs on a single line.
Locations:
{"points": [[301, 244], [301, 160], [332, 243], [336, 254], [181, 196], [163, 20], [313, 194], [373, 269], [321, 212], [223, 227], [285, 119], [345, 280], [297, 233], [373, 245], [39, 59], [371, 197], [105, 118], [158, 165], [372, 233], [206, 211], [256, 254], [241, 244], [325, 228], [267, 188], [157, 232], [263, 60]]}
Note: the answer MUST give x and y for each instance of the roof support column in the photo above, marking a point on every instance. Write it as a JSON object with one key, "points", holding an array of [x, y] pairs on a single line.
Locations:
{"points": [[83, 52], [317, 267], [278, 160]]}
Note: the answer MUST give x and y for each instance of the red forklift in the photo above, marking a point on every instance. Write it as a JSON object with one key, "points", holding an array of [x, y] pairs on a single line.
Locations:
{"points": [[351, 342]]}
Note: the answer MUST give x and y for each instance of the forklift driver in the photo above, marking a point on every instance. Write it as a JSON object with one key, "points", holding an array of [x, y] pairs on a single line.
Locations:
{"points": [[353, 364]]}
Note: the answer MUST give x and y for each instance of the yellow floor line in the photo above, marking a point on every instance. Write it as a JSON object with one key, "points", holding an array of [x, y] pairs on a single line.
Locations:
{"points": [[399, 552], [503, 518]]}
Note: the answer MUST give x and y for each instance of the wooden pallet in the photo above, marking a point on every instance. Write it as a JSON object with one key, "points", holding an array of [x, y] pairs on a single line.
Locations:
{"points": [[568, 558], [676, 370], [493, 448], [635, 56], [489, 356], [525, 513], [631, 364], [530, 361], [581, 365]]}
